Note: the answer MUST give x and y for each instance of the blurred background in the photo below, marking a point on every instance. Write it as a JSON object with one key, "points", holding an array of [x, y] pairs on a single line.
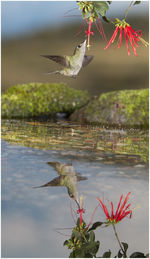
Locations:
{"points": [[32, 28]]}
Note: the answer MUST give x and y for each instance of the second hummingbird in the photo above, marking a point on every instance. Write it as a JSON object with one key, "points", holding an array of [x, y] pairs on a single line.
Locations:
{"points": [[72, 64]]}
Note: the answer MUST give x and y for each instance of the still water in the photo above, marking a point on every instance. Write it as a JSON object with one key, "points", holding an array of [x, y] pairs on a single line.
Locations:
{"points": [[32, 217]]}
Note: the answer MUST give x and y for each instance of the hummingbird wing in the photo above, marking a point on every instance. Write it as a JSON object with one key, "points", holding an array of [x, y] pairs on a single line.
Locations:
{"points": [[62, 60], [54, 182], [87, 60]]}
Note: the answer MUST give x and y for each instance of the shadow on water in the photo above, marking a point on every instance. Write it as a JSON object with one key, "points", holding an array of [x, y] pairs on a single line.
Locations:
{"points": [[111, 161]]}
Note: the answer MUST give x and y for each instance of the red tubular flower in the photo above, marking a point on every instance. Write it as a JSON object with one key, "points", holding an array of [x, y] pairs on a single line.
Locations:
{"points": [[91, 19], [89, 33], [80, 211], [129, 34], [121, 212], [112, 38]]}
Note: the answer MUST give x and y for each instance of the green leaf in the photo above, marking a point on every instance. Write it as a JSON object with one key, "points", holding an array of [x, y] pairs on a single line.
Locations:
{"points": [[92, 236], [79, 253], [120, 255], [106, 19], [107, 254], [125, 246], [137, 2], [96, 225], [87, 15], [91, 247], [101, 7], [66, 243], [137, 255]]}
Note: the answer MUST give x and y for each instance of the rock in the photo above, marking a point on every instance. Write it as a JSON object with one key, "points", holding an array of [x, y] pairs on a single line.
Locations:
{"points": [[41, 99], [121, 108]]}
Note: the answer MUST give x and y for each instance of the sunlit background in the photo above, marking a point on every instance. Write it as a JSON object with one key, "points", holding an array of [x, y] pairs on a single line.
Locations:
{"points": [[32, 28]]}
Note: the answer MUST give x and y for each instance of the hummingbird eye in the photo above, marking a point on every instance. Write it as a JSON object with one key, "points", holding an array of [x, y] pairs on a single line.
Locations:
{"points": [[79, 46]]}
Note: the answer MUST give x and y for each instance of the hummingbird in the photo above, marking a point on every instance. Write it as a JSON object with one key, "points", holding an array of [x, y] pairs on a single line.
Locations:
{"points": [[67, 177], [72, 64]]}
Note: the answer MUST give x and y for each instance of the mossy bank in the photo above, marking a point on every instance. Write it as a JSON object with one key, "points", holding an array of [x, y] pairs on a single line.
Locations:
{"points": [[40, 99], [129, 108]]}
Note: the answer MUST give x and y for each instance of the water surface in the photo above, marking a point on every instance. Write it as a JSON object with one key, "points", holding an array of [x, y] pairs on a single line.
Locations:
{"points": [[30, 216]]}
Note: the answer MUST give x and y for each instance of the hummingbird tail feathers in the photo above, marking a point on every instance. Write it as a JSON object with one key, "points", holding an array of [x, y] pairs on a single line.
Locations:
{"points": [[52, 72]]}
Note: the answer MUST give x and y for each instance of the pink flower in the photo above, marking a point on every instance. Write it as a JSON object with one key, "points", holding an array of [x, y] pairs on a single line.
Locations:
{"points": [[121, 212]]}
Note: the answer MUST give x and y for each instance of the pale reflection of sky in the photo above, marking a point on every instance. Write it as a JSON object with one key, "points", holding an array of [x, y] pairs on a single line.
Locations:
{"points": [[29, 215]]}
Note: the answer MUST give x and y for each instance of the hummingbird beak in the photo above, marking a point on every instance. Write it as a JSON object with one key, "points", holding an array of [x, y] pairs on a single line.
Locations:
{"points": [[84, 43]]}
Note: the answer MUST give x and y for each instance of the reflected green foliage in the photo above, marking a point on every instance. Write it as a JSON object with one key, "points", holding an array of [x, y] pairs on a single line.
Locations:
{"points": [[122, 108], [83, 244], [41, 99], [112, 146]]}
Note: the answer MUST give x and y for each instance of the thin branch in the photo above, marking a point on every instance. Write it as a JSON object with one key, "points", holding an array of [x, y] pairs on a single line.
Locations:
{"points": [[128, 9]]}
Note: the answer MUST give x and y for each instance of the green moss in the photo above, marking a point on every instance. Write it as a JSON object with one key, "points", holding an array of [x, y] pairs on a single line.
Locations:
{"points": [[125, 108], [36, 99]]}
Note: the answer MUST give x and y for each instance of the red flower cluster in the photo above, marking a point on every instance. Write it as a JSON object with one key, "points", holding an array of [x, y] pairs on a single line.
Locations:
{"points": [[121, 212], [129, 34]]}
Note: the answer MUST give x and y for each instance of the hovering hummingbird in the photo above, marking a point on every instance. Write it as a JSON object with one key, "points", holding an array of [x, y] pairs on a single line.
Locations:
{"points": [[72, 64], [67, 177]]}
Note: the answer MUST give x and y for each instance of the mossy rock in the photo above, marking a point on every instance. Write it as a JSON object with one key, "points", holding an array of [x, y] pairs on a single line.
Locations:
{"points": [[41, 99], [121, 108]]}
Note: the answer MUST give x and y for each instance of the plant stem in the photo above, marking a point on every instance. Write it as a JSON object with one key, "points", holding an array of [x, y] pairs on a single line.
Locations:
{"points": [[118, 239], [128, 9]]}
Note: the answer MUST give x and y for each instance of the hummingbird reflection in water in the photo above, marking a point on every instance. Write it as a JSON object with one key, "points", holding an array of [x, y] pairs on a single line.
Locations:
{"points": [[72, 64], [67, 177]]}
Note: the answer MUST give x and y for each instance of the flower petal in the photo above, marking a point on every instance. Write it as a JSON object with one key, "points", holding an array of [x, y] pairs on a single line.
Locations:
{"points": [[123, 205], [112, 38], [130, 39], [121, 29], [125, 34], [104, 208], [118, 206], [112, 212]]}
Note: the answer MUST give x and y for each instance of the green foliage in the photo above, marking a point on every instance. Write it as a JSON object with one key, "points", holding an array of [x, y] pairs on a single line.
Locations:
{"points": [[137, 2], [96, 225], [82, 242], [138, 255], [92, 9], [40, 99], [107, 254], [101, 7]]}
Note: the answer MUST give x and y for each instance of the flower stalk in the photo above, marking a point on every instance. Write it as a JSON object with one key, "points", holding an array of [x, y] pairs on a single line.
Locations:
{"points": [[80, 210], [126, 13], [118, 238]]}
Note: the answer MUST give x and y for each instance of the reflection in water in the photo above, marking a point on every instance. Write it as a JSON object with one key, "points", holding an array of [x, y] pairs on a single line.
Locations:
{"points": [[68, 177], [65, 136], [115, 163]]}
